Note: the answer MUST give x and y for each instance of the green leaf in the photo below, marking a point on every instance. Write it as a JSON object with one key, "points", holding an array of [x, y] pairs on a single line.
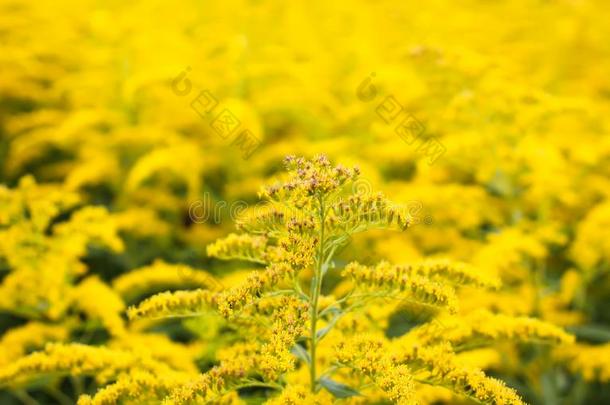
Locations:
{"points": [[549, 388], [591, 332], [322, 332], [324, 269], [338, 389], [301, 353]]}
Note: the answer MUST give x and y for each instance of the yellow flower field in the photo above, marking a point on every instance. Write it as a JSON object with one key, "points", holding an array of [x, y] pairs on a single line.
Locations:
{"points": [[267, 202]]}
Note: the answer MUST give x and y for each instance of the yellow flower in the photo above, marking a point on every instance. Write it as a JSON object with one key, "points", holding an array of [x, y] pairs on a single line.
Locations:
{"points": [[172, 304], [438, 365], [400, 281], [99, 301], [33, 335], [591, 361], [299, 394], [135, 385], [75, 359], [370, 356], [482, 328], [161, 275]]}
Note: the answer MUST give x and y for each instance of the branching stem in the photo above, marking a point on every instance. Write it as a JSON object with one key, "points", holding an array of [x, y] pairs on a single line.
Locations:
{"points": [[315, 295]]}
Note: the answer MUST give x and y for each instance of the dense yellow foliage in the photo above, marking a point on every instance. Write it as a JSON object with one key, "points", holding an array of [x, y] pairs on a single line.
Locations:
{"points": [[445, 239]]}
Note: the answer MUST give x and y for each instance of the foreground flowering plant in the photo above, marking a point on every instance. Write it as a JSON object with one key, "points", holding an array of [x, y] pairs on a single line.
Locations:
{"points": [[285, 332], [303, 329]]}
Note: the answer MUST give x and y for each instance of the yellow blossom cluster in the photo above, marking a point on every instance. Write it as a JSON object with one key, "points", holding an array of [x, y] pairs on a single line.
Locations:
{"points": [[20, 340], [76, 359], [161, 276], [481, 327], [415, 286], [589, 360], [438, 365], [370, 357]]}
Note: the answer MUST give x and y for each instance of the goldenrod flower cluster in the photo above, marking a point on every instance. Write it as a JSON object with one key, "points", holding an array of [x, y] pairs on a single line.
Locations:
{"points": [[370, 357], [438, 365], [590, 360], [33, 335], [161, 276], [482, 327], [249, 248], [76, 359]]}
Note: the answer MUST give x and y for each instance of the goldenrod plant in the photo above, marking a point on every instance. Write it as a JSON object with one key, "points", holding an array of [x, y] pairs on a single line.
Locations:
{"points": [[287, 322]]}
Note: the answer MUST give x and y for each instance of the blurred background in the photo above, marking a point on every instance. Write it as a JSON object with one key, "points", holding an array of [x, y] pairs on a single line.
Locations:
{"points": [[490, 118]]}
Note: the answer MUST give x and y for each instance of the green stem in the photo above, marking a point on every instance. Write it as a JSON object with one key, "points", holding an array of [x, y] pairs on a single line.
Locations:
{"points": [[315, 295], [25, 398], [59, 396], [77, 384], [298, 289], [258, 384]]}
